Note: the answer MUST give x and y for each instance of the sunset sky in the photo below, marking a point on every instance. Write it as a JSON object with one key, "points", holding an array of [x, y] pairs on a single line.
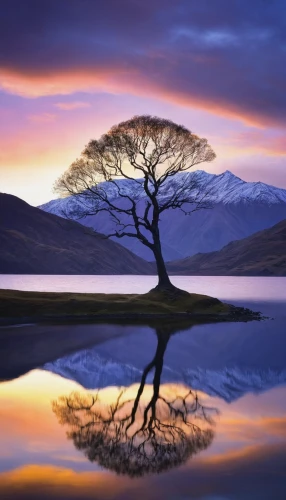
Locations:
{"points": [[70, 69]]}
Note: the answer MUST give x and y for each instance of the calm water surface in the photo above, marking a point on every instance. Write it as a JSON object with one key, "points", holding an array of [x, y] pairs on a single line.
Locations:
{"points": [[223, 287], [176, 411]]}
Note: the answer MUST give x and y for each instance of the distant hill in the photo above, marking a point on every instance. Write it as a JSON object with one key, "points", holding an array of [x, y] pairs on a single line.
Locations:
{"points": [[262, 254], [35, 242], [240, 209]]}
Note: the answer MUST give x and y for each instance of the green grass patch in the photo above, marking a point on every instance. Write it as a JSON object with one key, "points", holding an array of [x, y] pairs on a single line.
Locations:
{"points": [[15, 303]]}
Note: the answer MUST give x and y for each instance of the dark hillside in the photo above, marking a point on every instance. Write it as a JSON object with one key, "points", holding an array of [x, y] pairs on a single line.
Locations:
{"points": [[262, 254], [36, 242]]}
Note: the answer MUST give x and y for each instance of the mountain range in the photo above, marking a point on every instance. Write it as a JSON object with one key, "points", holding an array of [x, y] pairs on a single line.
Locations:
{"points": [[36, 242], [262, 254], [39, 241], [239, 209]]}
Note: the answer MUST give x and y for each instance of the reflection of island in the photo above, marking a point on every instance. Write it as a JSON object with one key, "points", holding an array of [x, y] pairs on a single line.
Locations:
{"points": [[143, 434]]}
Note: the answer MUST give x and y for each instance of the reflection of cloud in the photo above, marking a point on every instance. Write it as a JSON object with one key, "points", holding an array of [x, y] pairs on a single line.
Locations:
{"points": [[232, 456], [33, 480], [241, 459], [274, 426], [252, 429], [258, 471], [69, 106], [70, 458]]}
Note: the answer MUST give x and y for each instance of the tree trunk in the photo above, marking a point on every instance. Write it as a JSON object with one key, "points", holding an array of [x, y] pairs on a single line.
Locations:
{"points": [[163, 278], [164, 283]]}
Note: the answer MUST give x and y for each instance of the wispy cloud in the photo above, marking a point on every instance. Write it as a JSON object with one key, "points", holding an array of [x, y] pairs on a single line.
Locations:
{"points": [[70, 106], [260, 141], [42, 118]]}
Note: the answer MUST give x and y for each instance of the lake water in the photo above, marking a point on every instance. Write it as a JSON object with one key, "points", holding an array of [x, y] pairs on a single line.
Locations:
{"points": [[256, 289], [179, 411]]}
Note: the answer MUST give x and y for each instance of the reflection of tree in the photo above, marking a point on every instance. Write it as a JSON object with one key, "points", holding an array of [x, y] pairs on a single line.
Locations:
{"points": [[136, 436]]}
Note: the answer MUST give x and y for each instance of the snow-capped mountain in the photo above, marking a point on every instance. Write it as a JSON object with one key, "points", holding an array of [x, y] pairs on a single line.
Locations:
{"points": [[239, 209], [95, 372], [224, 188], [227, 188]]}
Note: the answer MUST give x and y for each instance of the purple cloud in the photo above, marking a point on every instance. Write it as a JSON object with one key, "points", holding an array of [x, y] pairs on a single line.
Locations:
{"points": [[226, 57]]}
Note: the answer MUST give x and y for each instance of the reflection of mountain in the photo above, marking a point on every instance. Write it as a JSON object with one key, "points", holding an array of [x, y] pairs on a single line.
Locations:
{"points": [[93, 371], [26, 348], [227, 360], [232, 383]]}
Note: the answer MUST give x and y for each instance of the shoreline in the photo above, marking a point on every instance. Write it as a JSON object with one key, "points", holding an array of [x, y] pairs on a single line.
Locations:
{"points": [[22, 307]]}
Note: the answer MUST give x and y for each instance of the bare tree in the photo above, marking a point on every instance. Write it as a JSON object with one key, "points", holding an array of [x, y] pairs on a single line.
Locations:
{"points": [[153, 149], [135, 437]]}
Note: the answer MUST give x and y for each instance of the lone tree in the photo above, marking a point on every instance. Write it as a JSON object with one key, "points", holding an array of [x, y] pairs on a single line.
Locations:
{"points": [[148, 151]]}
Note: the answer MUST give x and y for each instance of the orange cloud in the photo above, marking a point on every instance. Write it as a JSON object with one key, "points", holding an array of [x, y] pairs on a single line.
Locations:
{"points": [[121, 80], [59, 83]]}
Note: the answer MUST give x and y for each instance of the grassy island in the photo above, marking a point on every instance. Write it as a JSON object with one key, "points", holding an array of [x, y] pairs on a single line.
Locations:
{"points": [[39, 306]]}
